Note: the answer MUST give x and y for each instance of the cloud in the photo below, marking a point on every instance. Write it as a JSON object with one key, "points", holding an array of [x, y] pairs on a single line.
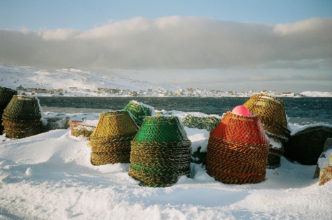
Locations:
{"points": [[185, 50], [58, 34], [172, 42]]}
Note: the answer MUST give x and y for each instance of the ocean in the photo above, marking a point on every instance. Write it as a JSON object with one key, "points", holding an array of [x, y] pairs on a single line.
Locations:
{"points": [[300, 111]]}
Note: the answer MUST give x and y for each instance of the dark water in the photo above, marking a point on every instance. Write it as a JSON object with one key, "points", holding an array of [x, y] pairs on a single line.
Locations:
{"points": [[299, 110]]}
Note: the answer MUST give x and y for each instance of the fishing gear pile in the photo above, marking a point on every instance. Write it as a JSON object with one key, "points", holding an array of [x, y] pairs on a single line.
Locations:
{"points": [[110, 141], [160, 152], [237, 150], [22, 118], [271, 112], [209, 122], [138, 111], [6, 95]]}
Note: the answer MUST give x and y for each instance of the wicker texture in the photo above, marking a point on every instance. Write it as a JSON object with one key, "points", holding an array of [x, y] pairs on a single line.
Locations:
{"points": [[110, 141], [137, 111], [237, 150], [22, 118], [271, 112], [160, 152], [78, 128], [6, 95]]}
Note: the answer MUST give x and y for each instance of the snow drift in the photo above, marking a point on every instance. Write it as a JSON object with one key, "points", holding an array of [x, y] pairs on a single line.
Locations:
{"points": [[49, 176]]}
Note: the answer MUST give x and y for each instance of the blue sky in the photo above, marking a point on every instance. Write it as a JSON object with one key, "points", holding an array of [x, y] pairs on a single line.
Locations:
{"points": [[85, 14], [235, 45]]}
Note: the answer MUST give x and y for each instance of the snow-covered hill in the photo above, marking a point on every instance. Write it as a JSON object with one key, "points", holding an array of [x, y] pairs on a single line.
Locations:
{"points": [[76, 82]]}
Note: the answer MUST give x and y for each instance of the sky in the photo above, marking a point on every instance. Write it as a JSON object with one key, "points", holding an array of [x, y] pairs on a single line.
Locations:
{"points": [[234, 45]]}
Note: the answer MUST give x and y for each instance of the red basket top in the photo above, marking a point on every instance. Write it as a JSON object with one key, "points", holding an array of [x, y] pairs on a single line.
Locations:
{"points": [[240, 129]]}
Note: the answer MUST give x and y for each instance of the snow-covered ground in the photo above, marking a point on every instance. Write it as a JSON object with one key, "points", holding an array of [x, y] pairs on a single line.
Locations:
{"points": [[49, 176], [75, 82]]}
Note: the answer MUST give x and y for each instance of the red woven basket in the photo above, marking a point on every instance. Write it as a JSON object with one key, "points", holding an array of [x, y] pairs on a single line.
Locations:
{"points": [[237, 150]]}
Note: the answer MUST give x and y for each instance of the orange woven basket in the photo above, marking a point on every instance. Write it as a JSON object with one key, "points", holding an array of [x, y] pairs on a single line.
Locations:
{"points": [[237, 150]]}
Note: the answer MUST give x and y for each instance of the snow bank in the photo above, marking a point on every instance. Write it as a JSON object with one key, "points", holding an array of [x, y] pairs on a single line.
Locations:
{"points": [[75, 82], [316, 94], [49, 176]]}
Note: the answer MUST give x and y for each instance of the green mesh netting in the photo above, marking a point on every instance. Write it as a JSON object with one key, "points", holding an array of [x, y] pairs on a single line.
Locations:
{"points": [[209, 123], [160, 152], [138, 111]]}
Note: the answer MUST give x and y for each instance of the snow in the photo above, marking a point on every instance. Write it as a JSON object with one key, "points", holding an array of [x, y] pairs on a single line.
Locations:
{"points": [[75, 82], [49, 176], [316, 94], [325, 159]]}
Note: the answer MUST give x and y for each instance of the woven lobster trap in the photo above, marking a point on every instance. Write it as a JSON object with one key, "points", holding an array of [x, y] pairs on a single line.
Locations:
{"points": [[160, 152], [110, 141], [271, 112], [22, 118], [237, 150], [138, 111], [209, 122], [6, 95], [79, 128]]}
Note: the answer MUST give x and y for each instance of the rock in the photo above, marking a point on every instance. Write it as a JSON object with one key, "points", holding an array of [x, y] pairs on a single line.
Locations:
{"points": [[52, 123], [198, 156], [307, 145]]}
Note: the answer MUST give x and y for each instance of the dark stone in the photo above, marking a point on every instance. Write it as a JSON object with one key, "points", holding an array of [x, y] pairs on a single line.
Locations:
{"points": [[198, 156], [56, 123], [306, 146], [273, 161]]}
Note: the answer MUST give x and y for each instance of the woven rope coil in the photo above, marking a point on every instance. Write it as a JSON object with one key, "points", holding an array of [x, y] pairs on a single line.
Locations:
{"points": [[271, 112], [22, 118], [78, 128], [6, 95], [237, 150], [160, 152], [137, 111], [110, 141]]}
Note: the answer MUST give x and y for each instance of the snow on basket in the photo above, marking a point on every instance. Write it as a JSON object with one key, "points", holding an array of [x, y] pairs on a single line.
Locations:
{"points": [[110, 141], [160, 152], [6, 95], [237, 150], [271, 112], [138, 111], [22, 118], [79, 128]]}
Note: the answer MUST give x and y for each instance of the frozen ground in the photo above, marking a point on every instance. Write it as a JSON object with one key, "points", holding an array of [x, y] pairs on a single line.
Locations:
{"points": [[49, 176]]}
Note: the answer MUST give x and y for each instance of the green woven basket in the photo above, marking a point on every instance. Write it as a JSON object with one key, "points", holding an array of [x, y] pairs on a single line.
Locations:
{"points": [[22, 117], [6, 95], [110, 141], [138, 111], [160, 152]]}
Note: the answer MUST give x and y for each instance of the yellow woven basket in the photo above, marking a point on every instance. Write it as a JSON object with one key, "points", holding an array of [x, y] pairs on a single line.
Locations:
{"points": [[110, 141]]}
